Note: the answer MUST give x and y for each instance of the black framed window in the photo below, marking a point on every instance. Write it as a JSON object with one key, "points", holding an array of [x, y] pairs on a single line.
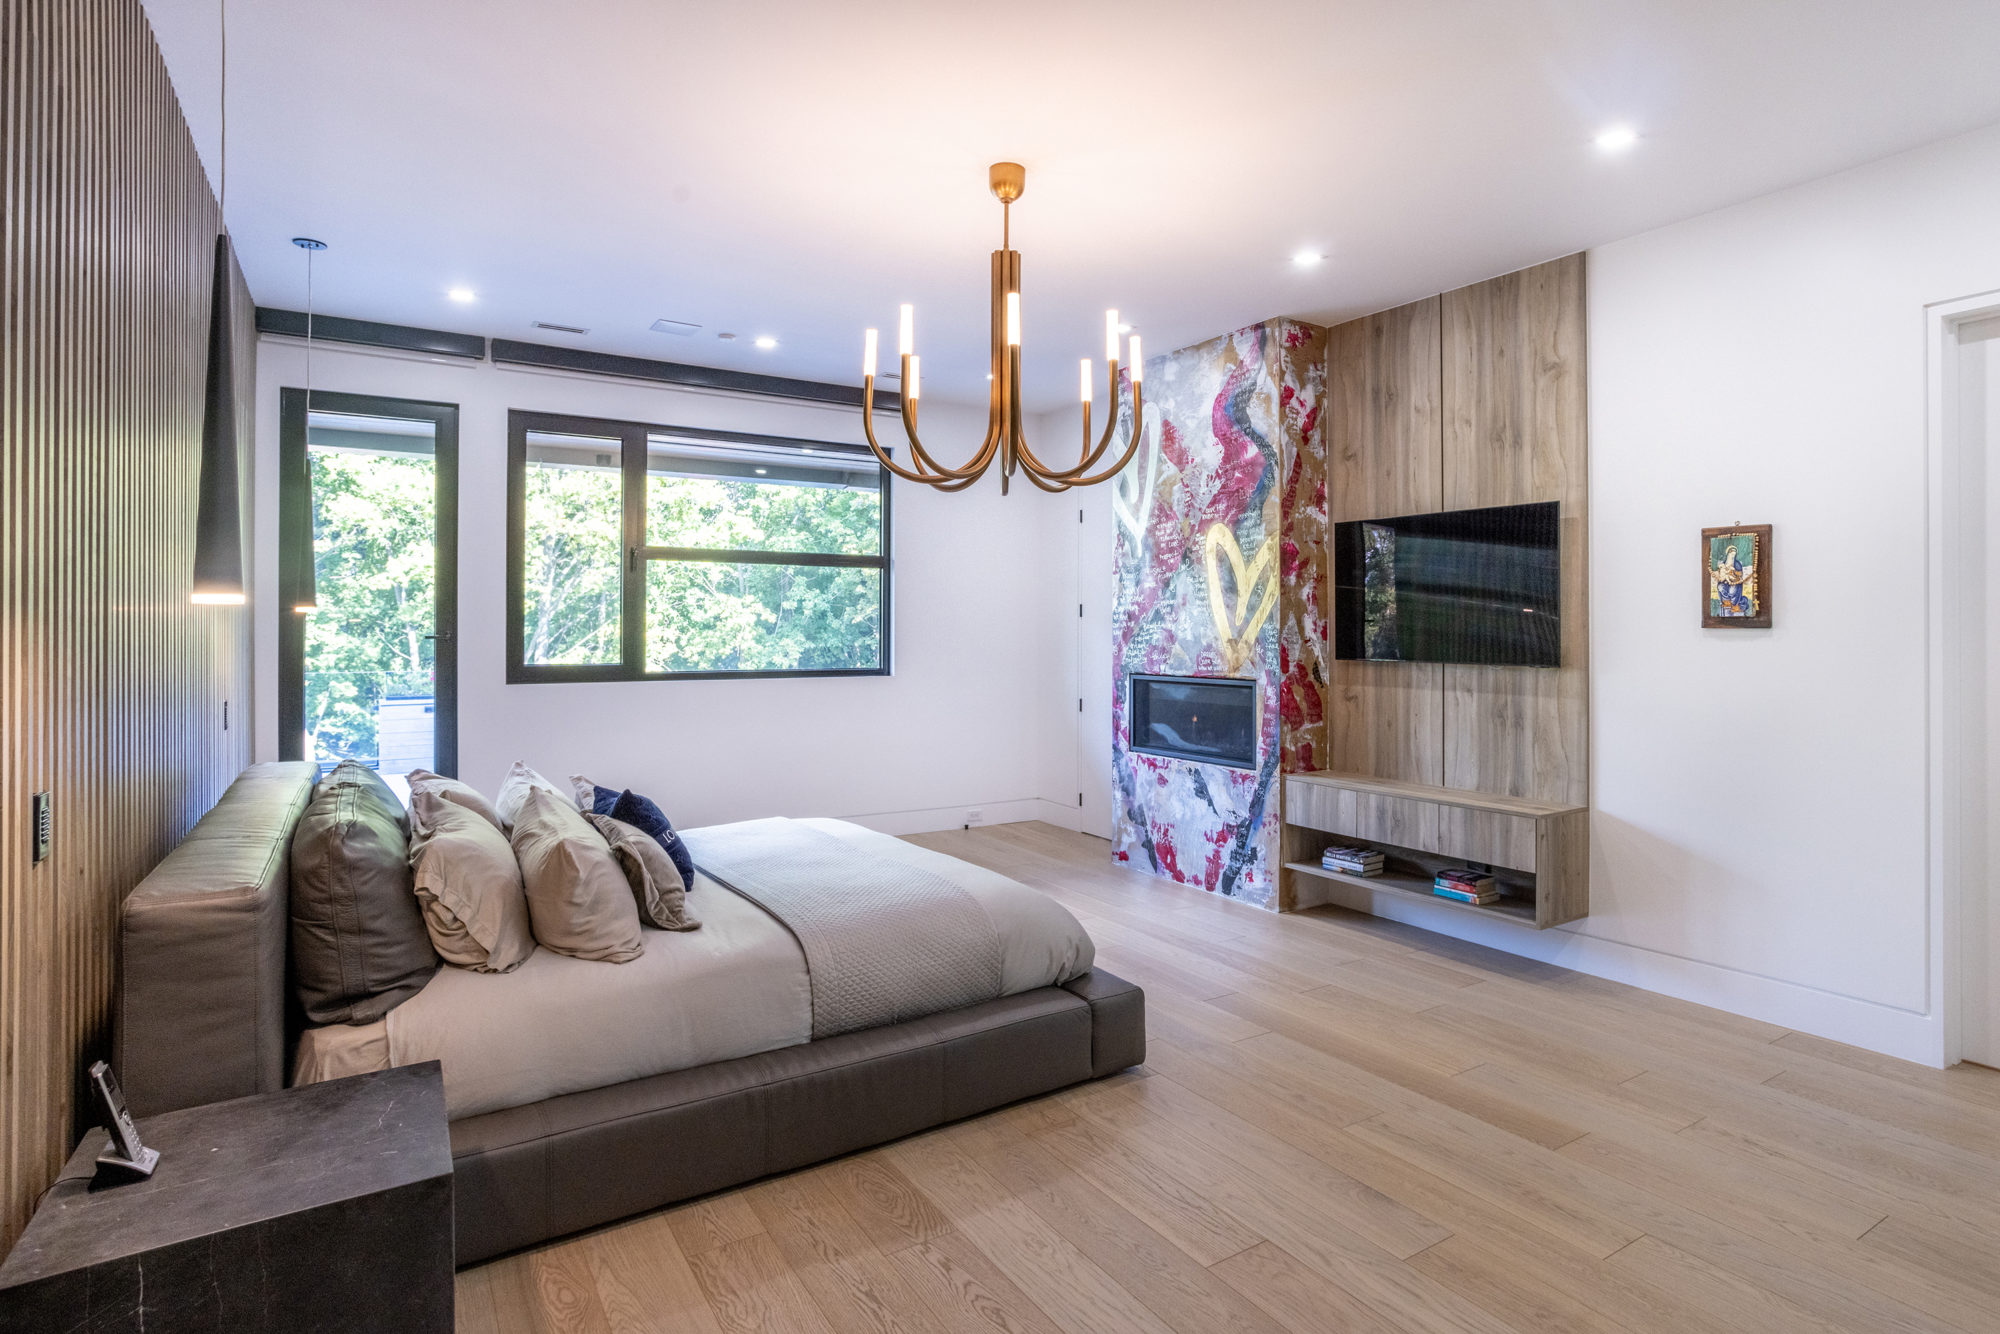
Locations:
{"points": [[637, 551]]}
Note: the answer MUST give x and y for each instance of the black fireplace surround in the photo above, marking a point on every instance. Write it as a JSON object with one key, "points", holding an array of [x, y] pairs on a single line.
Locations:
{"points": [[1206, 719]]}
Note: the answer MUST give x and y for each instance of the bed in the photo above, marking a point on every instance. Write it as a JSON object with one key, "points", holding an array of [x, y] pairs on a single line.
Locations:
{"points": [[582, 1092]]}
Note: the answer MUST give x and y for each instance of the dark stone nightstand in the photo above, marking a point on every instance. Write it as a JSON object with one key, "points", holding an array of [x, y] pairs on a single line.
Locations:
{"points": [[323, 1208]]}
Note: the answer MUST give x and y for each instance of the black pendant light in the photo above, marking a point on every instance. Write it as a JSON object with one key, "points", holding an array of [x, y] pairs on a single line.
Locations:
{"points": [[218, 523], [304, 591]]}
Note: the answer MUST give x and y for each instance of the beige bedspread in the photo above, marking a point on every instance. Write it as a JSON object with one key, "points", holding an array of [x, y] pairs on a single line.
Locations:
{"points": [[735, 987]]}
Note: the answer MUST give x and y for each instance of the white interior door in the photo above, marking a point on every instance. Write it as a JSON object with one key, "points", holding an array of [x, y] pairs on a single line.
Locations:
{"points": [[1979, 418]]}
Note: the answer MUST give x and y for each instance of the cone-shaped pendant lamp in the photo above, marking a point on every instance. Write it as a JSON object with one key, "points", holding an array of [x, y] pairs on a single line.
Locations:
{"points": [[218, 517], [218, 524]]}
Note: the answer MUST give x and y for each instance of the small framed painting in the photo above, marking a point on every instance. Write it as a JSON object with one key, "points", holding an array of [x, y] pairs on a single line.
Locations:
{"points": [[1736, 577]]}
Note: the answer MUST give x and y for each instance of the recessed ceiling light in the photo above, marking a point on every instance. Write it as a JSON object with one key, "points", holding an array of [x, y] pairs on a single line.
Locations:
{"points": [[1307, 259], [765, 342], [463, 295], [1616, 139], [760, 472]]}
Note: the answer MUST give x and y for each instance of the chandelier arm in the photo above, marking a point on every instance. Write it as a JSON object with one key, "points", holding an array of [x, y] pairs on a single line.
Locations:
{"points": [[1092, 455], [1031, 464], [882, 455], [1138, 435], [973, 468], [1110, 429], [923, 457]]}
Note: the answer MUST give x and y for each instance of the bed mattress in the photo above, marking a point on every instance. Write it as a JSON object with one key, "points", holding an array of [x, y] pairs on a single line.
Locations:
{"points": [[736, 987]]}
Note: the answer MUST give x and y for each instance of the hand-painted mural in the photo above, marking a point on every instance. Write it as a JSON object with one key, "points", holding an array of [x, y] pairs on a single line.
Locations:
{"points": [[1219, 555]]}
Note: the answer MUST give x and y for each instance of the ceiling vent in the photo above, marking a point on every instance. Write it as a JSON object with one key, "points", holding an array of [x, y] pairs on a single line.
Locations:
{"points": [[678, 328], [560, 328]]}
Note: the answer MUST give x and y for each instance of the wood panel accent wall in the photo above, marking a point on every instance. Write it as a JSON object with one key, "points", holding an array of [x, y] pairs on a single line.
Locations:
{"points": [[1385, 457], [112, 686], [1514, 432], [1472, 399]]}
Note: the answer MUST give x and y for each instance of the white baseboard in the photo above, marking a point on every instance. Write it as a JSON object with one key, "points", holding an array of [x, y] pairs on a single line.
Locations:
{"points": [[934, 819], [1906, 1034]]}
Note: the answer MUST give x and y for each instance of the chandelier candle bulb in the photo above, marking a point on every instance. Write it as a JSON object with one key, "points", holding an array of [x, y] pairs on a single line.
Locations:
{"points": [[1013, 319], [906, 331], [1086, 379], [1138, 362], [1111, 335], [868, 355], [916, 378]]}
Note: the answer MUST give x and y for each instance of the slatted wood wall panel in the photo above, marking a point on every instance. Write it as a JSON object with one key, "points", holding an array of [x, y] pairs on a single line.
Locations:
{"points": [[1472, 399], [1515, 433], [1385, 457], [111, 684]]}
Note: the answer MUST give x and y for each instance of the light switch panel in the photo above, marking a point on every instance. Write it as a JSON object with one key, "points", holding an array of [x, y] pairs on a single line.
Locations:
{"points": [[44, 826]]}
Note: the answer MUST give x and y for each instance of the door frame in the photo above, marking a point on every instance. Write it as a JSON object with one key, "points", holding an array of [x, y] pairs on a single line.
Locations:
{"points": [[1951, 618], [294, 496]]}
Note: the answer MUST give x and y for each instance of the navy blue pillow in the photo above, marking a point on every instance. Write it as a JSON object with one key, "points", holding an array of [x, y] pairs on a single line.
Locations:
{"points": [[642, 814]]}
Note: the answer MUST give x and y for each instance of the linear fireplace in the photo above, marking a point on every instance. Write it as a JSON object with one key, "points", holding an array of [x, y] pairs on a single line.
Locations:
{"points": [[1207, 719]]}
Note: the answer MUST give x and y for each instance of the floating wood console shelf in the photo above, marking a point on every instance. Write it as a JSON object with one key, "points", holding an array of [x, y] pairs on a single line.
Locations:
{"points": [[1539, 851]]}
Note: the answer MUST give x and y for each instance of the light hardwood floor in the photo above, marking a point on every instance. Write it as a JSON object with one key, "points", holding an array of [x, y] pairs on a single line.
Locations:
{"points": [[1345, 1124]]}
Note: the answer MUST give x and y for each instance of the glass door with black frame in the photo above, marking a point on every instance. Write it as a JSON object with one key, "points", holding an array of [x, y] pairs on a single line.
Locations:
{"points": [[370, 663]]}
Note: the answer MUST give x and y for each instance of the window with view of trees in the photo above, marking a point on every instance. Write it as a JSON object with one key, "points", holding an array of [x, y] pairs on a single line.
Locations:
{"points": [[649, 551]]}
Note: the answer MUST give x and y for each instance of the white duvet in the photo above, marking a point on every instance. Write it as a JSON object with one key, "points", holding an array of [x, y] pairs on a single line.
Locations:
{"points": [[737, 986]]}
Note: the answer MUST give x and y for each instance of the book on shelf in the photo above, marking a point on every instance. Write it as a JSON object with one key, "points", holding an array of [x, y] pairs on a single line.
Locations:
{"points": [[1352, 861], [1476, 897]]}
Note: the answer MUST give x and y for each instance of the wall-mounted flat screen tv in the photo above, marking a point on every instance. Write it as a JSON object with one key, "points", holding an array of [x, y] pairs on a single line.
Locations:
{"points": [[1472, 586]]}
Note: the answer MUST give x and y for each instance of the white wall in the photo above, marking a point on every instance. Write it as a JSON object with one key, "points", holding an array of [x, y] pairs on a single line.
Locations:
{"points": [[962, 724], [1760, 804], [1076, 742]]}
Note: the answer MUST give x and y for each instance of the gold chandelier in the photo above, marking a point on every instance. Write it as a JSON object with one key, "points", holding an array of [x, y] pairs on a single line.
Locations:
{"points": [[1004, 439]]}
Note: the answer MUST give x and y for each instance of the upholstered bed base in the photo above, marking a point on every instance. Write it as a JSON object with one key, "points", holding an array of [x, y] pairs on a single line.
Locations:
{"points": [[204, 1014], [526, 1174]]}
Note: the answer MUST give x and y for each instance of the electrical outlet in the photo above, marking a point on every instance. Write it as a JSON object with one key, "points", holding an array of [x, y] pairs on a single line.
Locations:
{"points": [[43, 824], [974, 816]]}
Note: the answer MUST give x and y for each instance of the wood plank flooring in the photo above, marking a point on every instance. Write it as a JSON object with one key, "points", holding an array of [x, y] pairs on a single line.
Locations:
{"points": [[1345, 1124]]}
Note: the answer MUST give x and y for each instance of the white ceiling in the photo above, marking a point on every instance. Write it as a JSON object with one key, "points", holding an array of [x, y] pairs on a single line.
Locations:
{"points": [[796, 169]]}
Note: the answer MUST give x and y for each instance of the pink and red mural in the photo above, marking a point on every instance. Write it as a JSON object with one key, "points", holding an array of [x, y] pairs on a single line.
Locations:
{"points": [[1219, 557]]}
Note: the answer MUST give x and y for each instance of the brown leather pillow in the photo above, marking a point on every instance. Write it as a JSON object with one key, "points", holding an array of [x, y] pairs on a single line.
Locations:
{"points": [[359, 948], [657, 888], [462, 794], [577, 895], [469, 886]]}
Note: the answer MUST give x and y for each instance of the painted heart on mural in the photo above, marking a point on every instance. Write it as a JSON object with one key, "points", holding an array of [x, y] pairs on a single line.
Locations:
{"points": [[1136, 511], [1238, 634]]}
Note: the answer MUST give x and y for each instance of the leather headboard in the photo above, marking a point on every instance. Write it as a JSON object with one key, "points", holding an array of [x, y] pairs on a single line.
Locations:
{"points": [[202, 994]]}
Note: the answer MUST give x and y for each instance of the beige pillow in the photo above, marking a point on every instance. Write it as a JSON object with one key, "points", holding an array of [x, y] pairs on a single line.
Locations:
{"points": [[468, 885], [514, 789], [577, 897], [463, 794], [656, 881]]}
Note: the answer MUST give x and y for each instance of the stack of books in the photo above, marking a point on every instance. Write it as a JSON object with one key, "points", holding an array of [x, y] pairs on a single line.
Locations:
{"points": [[1466, 887], [1352, 861]]}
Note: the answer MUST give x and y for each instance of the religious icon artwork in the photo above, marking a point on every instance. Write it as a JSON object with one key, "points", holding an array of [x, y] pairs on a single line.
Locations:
{"points": [[1736, 578]]}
